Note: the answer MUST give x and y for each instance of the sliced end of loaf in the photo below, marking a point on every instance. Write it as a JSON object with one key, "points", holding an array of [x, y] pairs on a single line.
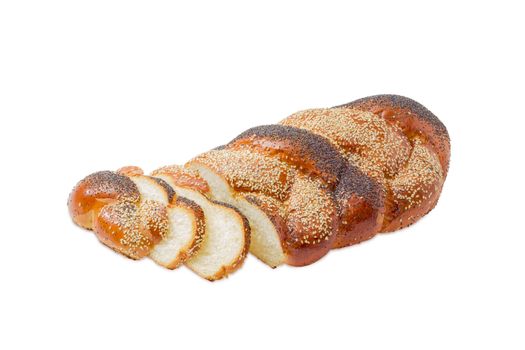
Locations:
{"points": [[226, 239], [265, 239]]}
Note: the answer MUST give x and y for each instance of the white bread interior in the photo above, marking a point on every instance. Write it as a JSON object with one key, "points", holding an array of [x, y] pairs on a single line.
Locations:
{"points": [[265, 242], [175, 247], [172, 251], [224, 244], [150, 190]]}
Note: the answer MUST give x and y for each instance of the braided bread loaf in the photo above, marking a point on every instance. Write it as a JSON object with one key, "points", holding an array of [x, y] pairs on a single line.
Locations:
{"points": [[329, 178], [320, 179]]}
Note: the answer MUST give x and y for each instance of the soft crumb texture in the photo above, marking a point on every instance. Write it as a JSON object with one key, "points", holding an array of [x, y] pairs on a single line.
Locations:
{"points": [[225, 241], [307, 215], [180, 238], [222, 247], [265, 241], [150, 189]]}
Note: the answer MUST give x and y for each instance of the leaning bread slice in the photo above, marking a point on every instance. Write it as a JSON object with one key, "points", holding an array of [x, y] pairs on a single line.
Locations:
{"points": [[227, 232], [185, 231], [265, 232], [153, 189]]}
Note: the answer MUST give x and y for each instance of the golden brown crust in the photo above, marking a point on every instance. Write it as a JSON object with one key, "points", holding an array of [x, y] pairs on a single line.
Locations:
{"points": [[326, 178], [305, 235], [389, 144], [132, 229], [110, 203], [401, 145], [309, 153], [415, 189], [289, 179], [247, 171], [364, 139], [373, 151], [97, 190], [311, 221], [359, 198], [413, 118], [360, 202]]}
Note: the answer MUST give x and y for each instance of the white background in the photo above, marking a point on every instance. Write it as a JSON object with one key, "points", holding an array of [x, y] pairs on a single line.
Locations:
{"points": [[94, 85]]}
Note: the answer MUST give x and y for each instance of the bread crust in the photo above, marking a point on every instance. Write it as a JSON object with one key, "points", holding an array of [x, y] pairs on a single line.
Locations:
{"points": [[246, 171], [95, 191], [305, 151], [305, 235], [381, 167], [415, 190], [291, 169], [360, 200], [413, 118], [358, 197], [130, 228], [110, 204]]}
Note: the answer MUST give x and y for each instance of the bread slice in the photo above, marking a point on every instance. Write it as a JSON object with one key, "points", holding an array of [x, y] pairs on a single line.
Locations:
{"points": [[152, 189], [186, 228], [227, 231], [185, 234], [265, 239]]}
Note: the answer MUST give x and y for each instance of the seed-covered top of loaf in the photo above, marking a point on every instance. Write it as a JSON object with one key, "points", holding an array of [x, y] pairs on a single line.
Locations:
{"points": [[298, 147], [248, 171], [364, 138], [104, 183]]}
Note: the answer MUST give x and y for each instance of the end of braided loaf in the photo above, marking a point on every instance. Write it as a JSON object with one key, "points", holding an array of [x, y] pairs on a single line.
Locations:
{"points": [[412, 117], [416, 188], [396, 142]]}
